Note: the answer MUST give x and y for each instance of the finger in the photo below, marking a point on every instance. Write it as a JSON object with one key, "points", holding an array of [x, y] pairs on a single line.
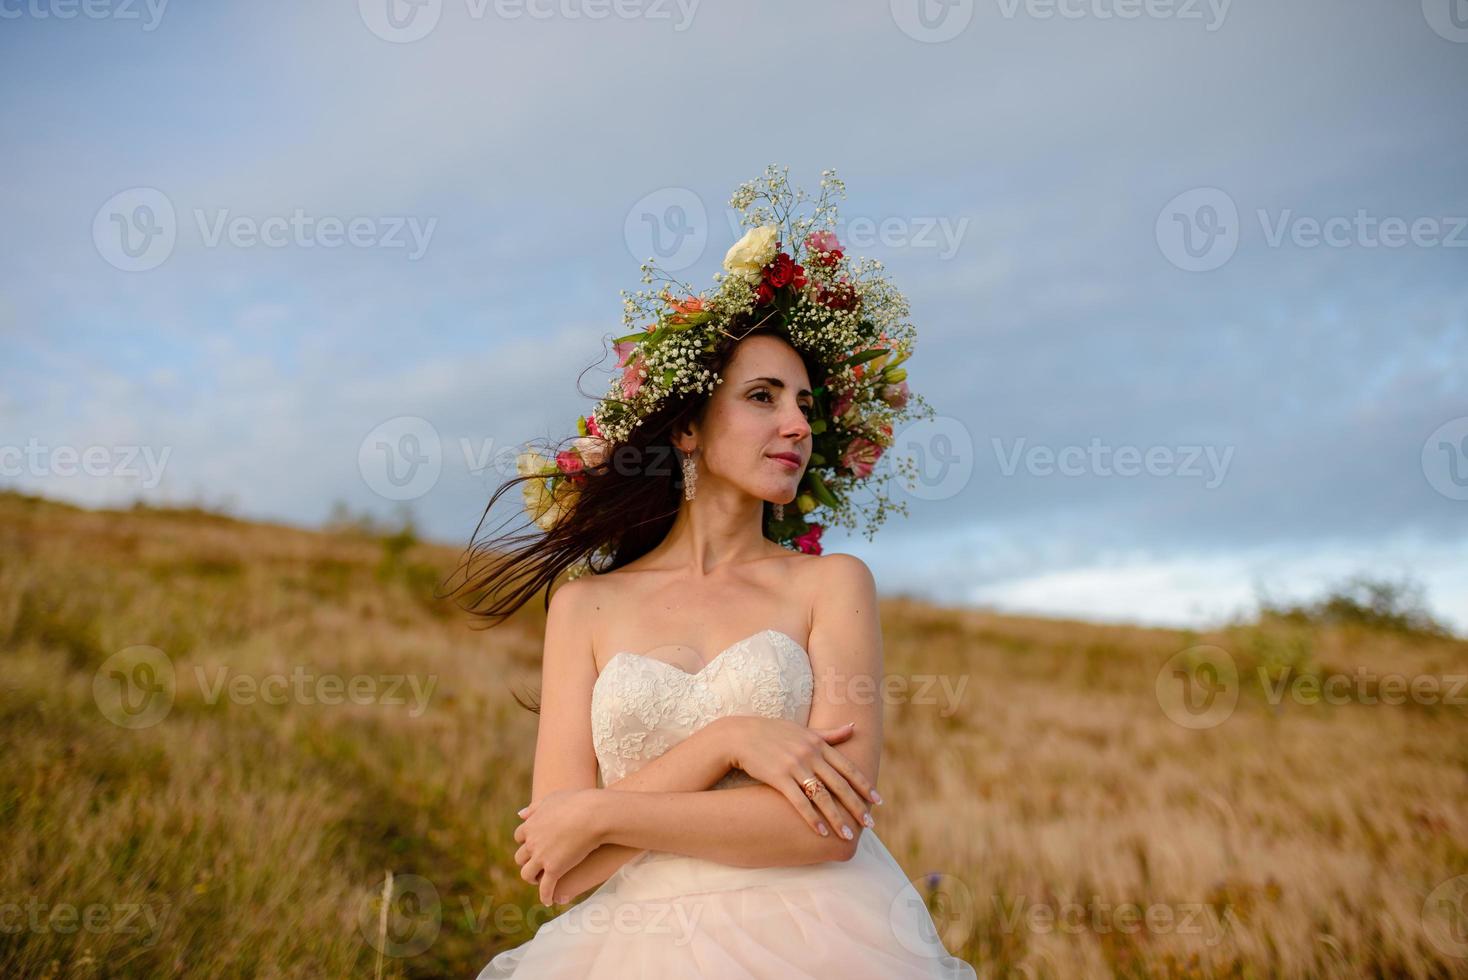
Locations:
{"points": [[520, 834], [824, 802], [526, 810], [522, 854], [845, 795], [838, 734], [548, 885], [795, 793], [853, 774], [532, 870]]}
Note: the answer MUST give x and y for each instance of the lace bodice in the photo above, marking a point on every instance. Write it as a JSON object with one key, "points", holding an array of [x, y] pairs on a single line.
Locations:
{"points": [[642, 706]]}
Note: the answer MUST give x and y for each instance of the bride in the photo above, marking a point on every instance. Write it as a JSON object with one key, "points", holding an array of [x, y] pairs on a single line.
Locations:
{"points": [[709, 734]]}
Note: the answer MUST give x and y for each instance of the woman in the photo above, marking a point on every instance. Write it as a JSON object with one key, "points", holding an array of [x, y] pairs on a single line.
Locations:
{"points": [[696, 685]]}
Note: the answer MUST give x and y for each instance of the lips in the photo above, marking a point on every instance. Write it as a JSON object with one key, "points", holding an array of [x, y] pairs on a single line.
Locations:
{"points": [[791, 460]]}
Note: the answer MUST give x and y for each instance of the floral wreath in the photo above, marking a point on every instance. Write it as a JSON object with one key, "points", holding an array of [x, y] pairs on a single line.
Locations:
{"points": [[843, 312]]}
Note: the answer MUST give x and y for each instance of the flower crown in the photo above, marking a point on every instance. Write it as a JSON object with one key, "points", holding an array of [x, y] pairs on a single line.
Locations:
{"points": [[788, 269]]}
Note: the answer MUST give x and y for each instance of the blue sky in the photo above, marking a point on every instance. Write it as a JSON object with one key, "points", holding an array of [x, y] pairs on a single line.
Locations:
{"points": [[1109, 227]]}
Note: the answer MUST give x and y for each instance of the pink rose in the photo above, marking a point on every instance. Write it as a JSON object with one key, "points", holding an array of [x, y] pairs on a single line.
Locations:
{"points": [[824, 247], [861, 456], [569, 463]]}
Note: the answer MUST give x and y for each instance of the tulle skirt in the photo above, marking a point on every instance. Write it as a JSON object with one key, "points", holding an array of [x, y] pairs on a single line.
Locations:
{"points": [[666, 915]]}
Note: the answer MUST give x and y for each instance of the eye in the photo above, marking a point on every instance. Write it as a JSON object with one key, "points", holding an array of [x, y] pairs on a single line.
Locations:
{"points": [[806, 409]]}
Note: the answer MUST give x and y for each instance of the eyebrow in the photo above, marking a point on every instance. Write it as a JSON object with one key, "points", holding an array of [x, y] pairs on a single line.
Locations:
{"points": [[777, 383]]}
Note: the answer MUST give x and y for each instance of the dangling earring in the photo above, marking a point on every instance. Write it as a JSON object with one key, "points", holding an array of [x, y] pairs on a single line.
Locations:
{"points": [[690, 476], [779, 512]]}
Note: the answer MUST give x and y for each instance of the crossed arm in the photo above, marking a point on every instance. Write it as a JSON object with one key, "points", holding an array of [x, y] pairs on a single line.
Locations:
{"points": [[668, 804]]}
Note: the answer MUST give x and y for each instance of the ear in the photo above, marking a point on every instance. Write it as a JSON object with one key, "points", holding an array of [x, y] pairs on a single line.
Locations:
{"points": [[685, 438]]}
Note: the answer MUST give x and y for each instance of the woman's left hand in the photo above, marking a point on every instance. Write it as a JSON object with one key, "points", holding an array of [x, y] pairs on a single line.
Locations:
{"points": [[557, 833]]}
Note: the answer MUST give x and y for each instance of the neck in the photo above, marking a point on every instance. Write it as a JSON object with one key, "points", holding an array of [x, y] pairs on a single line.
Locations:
{"points": [[721, 526]]}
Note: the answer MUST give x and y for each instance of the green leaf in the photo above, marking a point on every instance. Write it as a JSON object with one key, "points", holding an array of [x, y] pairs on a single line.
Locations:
{"points": [[864, 356], [817, 426], [820, 491]]}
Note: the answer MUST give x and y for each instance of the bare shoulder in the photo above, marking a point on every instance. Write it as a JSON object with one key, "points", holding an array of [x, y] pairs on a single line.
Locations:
{"points": [[844, 577], [575, 600]]}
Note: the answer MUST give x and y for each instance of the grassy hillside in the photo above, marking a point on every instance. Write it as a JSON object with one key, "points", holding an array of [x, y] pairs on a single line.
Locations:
{"points": [[220, 736]]}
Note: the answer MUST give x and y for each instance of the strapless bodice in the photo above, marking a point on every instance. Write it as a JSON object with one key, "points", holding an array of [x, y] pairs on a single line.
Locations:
{"points": [[642, 706]]}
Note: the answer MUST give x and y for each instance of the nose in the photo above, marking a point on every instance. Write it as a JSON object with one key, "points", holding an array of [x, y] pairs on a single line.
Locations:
{"points": [[796, 426]]}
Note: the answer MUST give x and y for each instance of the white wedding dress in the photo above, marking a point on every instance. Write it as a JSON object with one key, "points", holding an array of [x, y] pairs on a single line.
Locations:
{"points": [[665, 915]]}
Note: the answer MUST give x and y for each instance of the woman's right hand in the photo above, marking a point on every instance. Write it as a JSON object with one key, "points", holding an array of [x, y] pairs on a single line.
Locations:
{"points": [[782, 753]]}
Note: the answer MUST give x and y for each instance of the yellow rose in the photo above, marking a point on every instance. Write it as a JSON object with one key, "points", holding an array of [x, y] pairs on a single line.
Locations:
{"points": [[530, 463], [749, 256]]}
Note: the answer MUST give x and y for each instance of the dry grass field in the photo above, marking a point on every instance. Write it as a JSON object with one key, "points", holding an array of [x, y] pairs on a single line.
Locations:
{"points": [[219, 737]]}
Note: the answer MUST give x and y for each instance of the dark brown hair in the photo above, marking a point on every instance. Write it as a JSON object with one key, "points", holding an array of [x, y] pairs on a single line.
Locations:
{"points": [[622, 510]]}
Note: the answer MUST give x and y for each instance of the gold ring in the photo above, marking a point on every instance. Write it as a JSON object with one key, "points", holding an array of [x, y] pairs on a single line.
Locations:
{"points": [[809, 784]]}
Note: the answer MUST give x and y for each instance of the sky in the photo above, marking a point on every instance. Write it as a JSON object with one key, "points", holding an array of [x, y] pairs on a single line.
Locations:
{"points": [[1188, 275]]}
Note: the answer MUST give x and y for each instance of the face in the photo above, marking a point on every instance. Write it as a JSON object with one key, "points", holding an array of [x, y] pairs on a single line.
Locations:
{"points": [[759, 413]]}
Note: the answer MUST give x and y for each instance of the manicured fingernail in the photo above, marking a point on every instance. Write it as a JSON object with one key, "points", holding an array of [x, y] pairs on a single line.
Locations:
{"points": [[846, 831], [823, 830], [521, 811], [877, 798], [866, 818]]}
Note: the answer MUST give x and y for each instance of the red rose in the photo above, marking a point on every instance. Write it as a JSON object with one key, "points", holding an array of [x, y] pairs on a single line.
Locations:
{"points": [[780, 270], [764, 293], [799, 281]]}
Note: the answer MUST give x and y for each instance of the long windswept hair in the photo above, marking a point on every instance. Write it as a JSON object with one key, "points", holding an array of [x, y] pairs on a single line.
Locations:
{"points": [[622, 510]]}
